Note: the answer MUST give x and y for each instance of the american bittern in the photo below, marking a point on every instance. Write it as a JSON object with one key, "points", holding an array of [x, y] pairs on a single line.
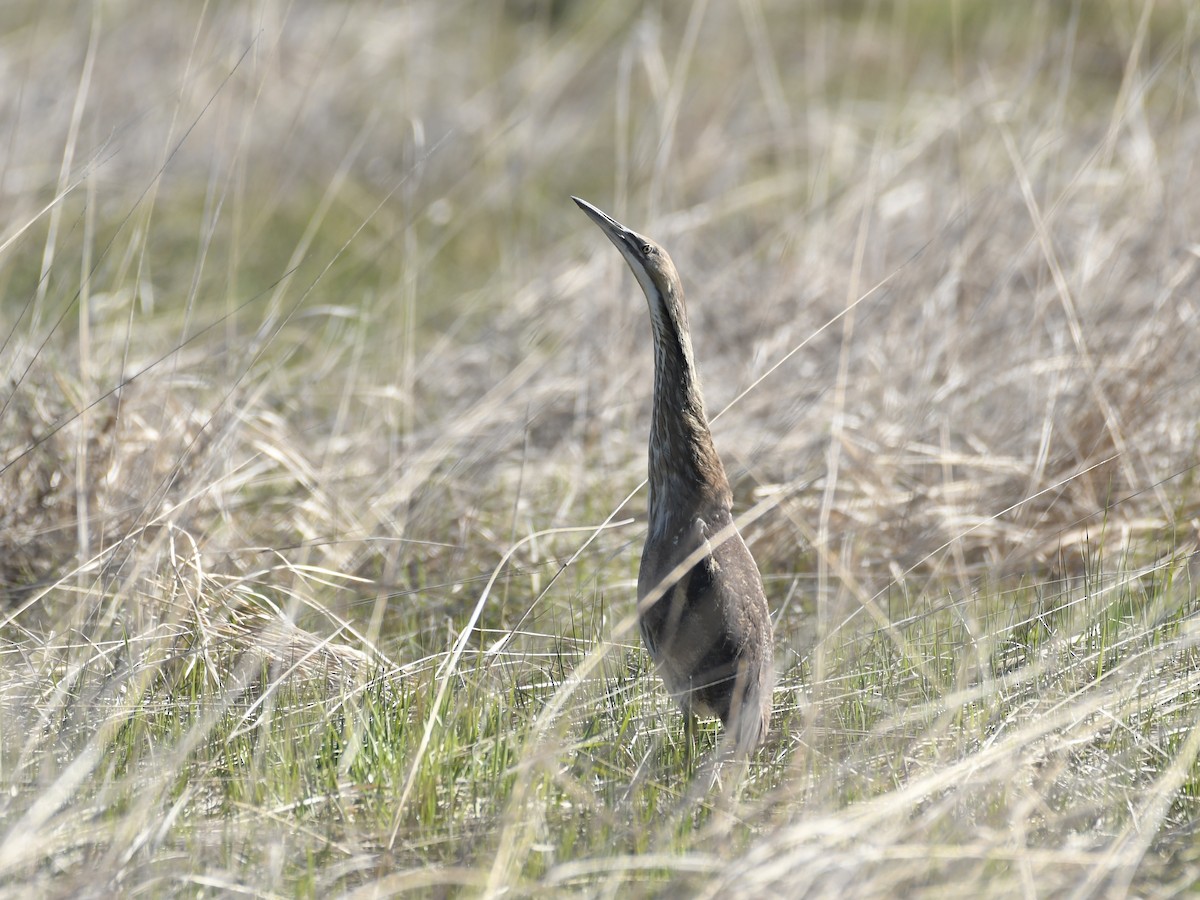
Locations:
{"points": [[701, 607]]}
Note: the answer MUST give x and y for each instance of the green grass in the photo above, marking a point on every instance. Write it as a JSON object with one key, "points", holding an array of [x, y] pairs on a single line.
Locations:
{"points": [[324, 414]]}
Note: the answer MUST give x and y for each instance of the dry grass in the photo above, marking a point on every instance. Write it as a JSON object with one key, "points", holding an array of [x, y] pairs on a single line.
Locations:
{"points": [[318, 391]]}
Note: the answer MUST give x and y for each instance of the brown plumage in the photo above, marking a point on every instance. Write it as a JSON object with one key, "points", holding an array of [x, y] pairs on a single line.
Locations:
{"points": [[701, 607]]}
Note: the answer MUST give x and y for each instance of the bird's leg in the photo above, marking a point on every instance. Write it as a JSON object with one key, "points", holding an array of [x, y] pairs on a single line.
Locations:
{"points": [[690, 751]]}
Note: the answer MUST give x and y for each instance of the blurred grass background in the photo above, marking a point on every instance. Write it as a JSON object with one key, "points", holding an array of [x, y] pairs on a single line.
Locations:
{"points": [[317, 391]]}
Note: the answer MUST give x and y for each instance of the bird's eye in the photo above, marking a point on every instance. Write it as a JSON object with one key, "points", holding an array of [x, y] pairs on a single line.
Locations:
{"points": [[647, 249]]}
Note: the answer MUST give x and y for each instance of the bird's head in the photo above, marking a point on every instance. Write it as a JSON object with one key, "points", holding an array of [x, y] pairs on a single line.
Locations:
{"points": [[650, 263]]}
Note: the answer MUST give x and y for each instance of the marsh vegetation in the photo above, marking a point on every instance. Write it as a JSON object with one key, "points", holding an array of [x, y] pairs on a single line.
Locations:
{"points": [[324, 414]]}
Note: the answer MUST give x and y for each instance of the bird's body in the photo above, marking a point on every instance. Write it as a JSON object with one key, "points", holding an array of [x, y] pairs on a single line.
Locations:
{"points": [[701, 607]]}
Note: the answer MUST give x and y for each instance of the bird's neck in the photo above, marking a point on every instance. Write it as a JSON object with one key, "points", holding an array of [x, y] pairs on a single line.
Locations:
{"points": [[685, 472]]}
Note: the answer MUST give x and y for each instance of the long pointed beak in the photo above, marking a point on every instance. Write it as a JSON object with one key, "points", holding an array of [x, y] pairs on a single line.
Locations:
{"points": [[624, 239]]}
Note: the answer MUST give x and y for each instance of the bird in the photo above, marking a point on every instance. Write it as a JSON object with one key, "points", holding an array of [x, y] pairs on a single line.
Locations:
{"points": [[702, 611]]}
